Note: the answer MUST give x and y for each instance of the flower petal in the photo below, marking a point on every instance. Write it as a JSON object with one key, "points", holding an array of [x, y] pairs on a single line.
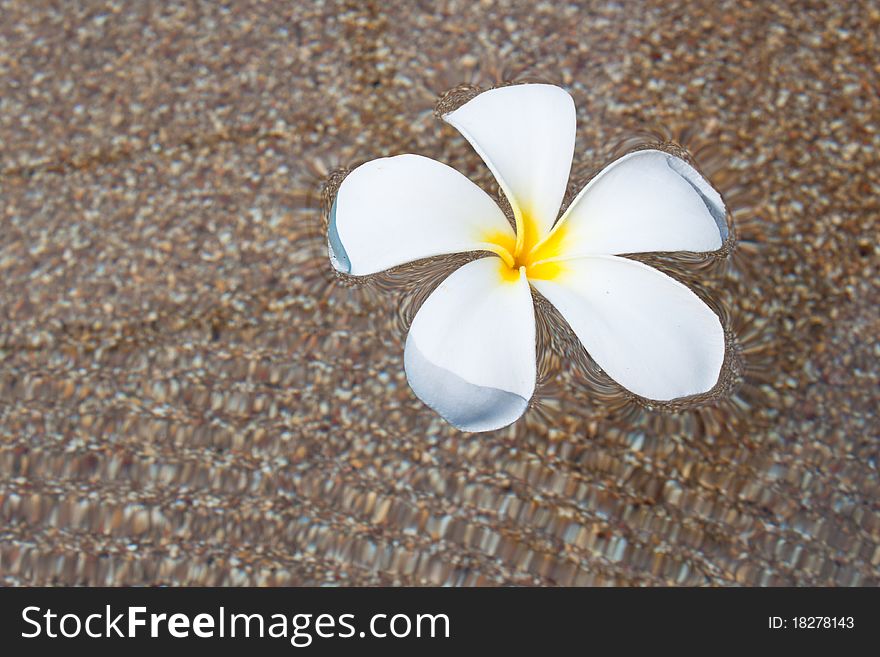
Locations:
{"points": [[470, 353], [398, 209], [648, 332], [525, 135], [645, 201]]}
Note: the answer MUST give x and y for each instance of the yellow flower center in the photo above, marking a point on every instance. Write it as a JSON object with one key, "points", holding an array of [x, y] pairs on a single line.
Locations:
{"points": [[527, 250]]}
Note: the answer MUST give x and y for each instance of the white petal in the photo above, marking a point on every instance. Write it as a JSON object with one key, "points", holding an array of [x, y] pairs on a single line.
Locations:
{"points": [[403, 208], [648, 332], [645, 201], [470, 353], [525, 134]]}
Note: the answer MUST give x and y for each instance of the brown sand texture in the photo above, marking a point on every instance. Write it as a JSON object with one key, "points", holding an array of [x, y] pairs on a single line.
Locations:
{"points": [[189, 396]]}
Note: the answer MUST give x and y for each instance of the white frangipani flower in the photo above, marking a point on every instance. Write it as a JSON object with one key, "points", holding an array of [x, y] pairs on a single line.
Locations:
{"points": [[470, 353]]}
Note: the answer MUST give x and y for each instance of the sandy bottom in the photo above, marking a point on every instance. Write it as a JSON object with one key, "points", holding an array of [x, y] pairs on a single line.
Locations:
{"points": [[188, 395]]}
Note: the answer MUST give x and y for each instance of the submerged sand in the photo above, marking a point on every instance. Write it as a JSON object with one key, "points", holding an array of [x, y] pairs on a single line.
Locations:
{"points": [[189, 396]]}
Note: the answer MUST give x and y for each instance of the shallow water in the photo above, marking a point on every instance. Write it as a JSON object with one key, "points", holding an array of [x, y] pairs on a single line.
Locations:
{"points": [[188, 394]]}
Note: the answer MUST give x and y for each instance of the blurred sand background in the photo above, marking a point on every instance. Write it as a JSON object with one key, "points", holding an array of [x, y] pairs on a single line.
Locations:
{"points": [[189, 396]]}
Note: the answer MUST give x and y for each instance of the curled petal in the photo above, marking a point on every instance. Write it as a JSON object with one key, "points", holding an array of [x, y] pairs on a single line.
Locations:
{"points": [[470, 353], [399, 209], [525, 135], [645, 201], [648, 332]]}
